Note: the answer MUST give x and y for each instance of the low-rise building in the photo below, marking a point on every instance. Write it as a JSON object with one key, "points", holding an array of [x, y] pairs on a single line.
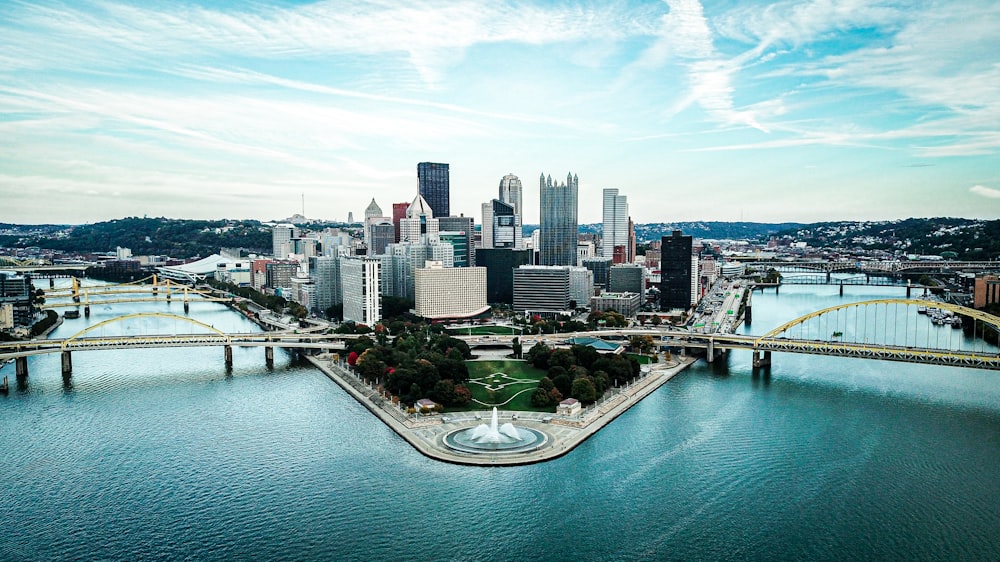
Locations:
{"points": [[450, 292], [626, 304]]}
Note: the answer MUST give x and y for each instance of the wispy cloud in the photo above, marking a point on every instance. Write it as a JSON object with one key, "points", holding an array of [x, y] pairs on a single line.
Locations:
{"points": [[983, 191]]}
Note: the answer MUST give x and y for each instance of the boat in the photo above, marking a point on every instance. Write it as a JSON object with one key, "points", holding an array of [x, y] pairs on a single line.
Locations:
{"points": [[956, 322], [921, 309], [71, 314]]}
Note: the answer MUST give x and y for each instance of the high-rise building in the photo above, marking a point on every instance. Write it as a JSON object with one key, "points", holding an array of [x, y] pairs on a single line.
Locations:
{"points": [[540, 289], [434, 187], [466, 227], [600, 267], [450, 292], [402, 260], [627, 279], [419, 224], [398, 214], [511, 193], [373, 215], [326, 271], [382, 234], [581, 286], [675, 271], [362, 291], [279, 274], [558, 220], [501, 226], [615, 229], [281, 240], [500, 265]]}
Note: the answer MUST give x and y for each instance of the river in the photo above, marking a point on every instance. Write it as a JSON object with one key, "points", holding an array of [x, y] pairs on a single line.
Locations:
{"points": [[163, 454]]}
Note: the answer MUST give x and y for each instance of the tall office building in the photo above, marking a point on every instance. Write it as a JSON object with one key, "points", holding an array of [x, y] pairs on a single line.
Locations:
{"points": [[511, 193], [361, 289], [601, 268], [449, 292], [675, 271], [382, 234], [326, 271], [500, 265], [540, 289], [615, 232], [419, 224], [373, 216], [434, 187], [281, 240], [398, 214], [465, 251], [627, 279], [558, 222], [501, 226]]}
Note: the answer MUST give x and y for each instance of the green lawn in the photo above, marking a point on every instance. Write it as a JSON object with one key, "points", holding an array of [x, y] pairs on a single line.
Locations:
{"points": [[641, 359], [505, 378], [483, 331]]}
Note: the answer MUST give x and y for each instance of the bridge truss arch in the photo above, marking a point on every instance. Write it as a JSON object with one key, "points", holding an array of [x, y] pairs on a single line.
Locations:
{"points": [[78, 338], [891, 329]]}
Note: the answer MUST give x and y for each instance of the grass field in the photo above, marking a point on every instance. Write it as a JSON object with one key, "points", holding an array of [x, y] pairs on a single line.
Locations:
{"points": [[505, 384]]}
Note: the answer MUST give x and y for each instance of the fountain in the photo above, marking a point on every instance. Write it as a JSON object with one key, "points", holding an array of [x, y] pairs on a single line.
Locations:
{"points": [[495, 438]]}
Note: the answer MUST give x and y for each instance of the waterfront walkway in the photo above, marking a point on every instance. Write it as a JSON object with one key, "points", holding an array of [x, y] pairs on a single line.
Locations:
{"points": [[426, 432]]}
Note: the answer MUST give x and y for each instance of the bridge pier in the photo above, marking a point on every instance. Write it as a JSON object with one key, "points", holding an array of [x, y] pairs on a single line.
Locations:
{"points": [[829, 276], [187, 306], [21, 367], [269, 356], [86, 311], [759, 361], [67, 362], [748, 314], [908, 290], [841, 288], [229, 356], [52, 282], [710, 351]]}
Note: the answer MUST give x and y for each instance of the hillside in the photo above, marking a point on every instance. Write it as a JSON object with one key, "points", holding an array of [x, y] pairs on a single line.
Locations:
{"points": [[967, 239]]}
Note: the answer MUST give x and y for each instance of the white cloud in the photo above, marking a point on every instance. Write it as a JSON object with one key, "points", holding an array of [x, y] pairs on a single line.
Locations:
{"points": [[983, 191]]}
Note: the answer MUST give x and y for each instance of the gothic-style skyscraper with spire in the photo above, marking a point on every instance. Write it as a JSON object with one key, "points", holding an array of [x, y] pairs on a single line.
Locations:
{"points": [[558, 220]]}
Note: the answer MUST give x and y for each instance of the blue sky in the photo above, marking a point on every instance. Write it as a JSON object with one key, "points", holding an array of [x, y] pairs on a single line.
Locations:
{"points": [[729, 110]]}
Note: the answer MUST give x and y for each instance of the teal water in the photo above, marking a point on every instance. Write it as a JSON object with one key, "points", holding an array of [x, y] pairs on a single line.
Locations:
{"points": [[163, 455]]}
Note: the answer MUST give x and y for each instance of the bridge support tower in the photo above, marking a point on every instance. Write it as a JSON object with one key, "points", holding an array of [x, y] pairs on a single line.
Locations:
{"points": [[229, 356], [841, 288], [269, 356], [86, 311], [710, 351], [67, 362]]}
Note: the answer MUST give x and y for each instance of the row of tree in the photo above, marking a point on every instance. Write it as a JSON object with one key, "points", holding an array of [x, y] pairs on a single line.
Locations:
{"points": [[415, 363], [578, 372]]}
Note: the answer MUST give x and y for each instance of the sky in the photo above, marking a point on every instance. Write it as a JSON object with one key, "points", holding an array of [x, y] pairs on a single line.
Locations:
{"points": [[801, 111]]}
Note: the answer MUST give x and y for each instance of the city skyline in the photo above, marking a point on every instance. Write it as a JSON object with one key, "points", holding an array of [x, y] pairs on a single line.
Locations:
{"points": [[793, 111]]}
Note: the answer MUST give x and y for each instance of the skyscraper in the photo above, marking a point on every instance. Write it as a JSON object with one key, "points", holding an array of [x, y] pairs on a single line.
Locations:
{"points": [[434, 187], [675, 271], [398, 214], [281, 240], [510, 193], [361, 288], [501, 226], [615, 226], [558, 224], [419, 224], [461, 224]]}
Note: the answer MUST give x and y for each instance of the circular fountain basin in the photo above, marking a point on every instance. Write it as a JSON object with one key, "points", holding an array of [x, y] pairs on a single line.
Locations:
{"points": [[463, 440]]}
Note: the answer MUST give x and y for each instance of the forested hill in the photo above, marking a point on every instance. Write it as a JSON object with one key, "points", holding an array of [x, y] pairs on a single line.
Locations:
{"points": [[144, 236], [964, 239], [711, 230]]}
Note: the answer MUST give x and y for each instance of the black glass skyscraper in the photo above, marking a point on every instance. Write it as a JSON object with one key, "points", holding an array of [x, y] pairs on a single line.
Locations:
{"points": [[433, 178], [675, 271]]}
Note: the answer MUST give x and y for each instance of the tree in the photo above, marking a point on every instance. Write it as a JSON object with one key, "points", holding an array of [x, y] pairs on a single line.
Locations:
{"points": [[335, 312], [540, 398], [518, 348], [462, 395], [538, 355], [656, 320], [370, 368], [563, 383], [352, 358], [562, 358], [583, 390], [444, 392]]}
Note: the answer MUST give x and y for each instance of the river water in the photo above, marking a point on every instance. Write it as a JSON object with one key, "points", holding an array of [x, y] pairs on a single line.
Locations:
{"points": [[163, 455]]}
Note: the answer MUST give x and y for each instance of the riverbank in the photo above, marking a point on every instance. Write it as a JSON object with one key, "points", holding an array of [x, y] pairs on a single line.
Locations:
{"points": [[562, 433]]}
